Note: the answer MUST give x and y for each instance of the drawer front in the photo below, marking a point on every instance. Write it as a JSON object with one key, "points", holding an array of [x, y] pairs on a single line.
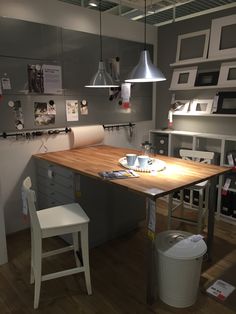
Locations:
{"points": [[49, 187], [55, 199], [162, 151], [47, 169], [160, 144]]}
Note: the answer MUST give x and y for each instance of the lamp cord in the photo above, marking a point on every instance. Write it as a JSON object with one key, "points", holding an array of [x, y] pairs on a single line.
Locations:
{"points": [[145, 13], [100, 16]]}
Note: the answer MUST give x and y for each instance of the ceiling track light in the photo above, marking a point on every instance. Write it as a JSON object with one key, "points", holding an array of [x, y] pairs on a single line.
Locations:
{"points": [[145, 70], [93, 3], [102, 79]]}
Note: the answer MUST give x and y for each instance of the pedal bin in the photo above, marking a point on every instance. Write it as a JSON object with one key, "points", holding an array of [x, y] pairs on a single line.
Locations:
{"points": [[179, 259]]}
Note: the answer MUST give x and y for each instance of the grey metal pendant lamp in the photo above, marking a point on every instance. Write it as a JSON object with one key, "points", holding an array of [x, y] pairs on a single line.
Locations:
{"points": [[102, 79], [145, 70]]}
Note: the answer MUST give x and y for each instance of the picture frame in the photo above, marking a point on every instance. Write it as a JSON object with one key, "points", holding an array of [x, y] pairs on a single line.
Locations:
{"points": [[207, 78], [183, 78], [222, 38], [182, 106], [198, 41], [201, 106], [226, 103], [227, 77]]}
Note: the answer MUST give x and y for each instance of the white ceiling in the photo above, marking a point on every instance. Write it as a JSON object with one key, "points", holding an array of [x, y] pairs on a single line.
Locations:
{"points": [[159, 12]]}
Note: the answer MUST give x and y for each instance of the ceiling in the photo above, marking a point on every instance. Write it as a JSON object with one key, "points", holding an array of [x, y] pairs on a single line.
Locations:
{"points": [[159, 12]]}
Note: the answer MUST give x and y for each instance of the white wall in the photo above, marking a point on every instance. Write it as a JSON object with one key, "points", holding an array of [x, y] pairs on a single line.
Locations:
{"points": [[16, 161]]}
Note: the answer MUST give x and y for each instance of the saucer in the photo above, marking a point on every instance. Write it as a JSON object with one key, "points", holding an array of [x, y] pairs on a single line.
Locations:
{"points": [[154, 165]]}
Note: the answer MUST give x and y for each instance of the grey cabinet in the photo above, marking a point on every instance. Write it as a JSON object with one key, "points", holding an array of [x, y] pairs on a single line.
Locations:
{"points": [[55, 185]]}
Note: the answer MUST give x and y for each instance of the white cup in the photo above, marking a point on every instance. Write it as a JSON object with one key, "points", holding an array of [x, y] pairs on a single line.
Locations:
{"points": [[143, 161], [131, 158]]}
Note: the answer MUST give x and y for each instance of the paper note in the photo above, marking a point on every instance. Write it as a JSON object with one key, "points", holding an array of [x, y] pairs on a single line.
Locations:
{"points": [[220, 289]]}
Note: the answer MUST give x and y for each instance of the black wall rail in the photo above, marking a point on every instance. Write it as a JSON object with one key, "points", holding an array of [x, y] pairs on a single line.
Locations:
{"points": [[117, 126], [35, 133]]}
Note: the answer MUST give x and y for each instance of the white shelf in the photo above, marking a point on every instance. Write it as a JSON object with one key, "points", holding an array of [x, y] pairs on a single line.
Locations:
{"points": [[190, 62], [204, 115], [204, 87], [229, 219], [196, 134]]}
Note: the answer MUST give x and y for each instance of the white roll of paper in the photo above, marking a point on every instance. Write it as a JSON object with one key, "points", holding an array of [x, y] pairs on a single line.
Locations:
{"points": [[86, 135]]}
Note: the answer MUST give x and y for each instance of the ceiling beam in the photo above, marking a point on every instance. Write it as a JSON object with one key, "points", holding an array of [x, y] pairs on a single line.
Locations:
{"points": [[190, 16]]}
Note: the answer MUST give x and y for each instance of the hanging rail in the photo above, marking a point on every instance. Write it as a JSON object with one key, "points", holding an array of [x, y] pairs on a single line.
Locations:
{"points": [[32, 134], [117, 126]]}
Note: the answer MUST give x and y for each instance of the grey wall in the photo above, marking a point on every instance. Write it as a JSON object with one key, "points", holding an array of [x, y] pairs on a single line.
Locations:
{"points": [[24, 42], [167, 44]]}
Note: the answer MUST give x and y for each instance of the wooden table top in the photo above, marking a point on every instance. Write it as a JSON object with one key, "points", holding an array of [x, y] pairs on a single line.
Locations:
{"points": [[93, 159]]}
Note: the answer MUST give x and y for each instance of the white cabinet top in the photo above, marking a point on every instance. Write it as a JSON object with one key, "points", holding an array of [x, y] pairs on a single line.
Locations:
{"points": [[196, 134]]}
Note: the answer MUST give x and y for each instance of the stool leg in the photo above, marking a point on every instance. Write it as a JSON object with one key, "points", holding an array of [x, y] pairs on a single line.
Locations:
{"points": [[32, 258], [37, 270], [76, 248], [85, 255]]}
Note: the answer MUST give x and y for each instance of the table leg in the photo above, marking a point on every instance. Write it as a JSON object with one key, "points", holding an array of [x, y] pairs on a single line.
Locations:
{"points": [[211, 223], [151, 292]]}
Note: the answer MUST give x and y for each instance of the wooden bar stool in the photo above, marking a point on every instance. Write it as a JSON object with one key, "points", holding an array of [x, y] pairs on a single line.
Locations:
{"points": [[202, 189], [50, 222]]}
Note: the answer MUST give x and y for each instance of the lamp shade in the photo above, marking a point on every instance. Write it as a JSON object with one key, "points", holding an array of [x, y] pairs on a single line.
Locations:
{"points": [[145, 71], [102, 78]]}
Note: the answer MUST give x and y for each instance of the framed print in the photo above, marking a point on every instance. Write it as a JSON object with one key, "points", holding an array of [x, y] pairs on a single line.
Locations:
{"points": [[192, 46], [180, 106], [223, 39], [226, 103], [207, 78], [227, 76], [201, 106], [183, 78]]}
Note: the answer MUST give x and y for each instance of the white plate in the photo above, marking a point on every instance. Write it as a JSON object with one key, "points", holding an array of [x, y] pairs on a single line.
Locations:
{"points": [[155, 165]]}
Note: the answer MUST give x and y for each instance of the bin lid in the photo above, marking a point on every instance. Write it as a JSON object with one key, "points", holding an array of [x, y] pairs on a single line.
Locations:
{"points": [[180, 244]]}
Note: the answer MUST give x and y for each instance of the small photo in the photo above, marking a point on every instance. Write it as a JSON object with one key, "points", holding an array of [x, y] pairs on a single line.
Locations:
{"points": [[41, 115]]}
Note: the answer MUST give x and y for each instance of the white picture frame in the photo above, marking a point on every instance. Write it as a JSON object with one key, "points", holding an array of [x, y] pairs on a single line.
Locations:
{"points": [[183, 78], [201, 106], [224, 76], [203, 53], [184, 109], [217, 26]]}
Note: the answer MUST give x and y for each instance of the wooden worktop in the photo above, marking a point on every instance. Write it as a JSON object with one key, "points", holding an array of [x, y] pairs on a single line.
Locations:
{"points": [[93, 159]]}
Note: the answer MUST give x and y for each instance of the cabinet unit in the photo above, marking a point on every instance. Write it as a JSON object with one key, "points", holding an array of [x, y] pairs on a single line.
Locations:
{"points": [[222, 145]]}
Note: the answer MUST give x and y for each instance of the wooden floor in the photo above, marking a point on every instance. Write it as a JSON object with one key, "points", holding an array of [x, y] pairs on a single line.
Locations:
{"points": [[118, 277]]}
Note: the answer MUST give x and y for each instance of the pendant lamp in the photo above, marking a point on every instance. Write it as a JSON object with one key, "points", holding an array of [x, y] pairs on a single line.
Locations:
{"points": [[102, 79], [145, 70]]}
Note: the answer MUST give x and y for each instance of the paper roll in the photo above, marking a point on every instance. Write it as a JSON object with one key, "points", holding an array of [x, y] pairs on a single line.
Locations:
{"points": [[87, 135]]}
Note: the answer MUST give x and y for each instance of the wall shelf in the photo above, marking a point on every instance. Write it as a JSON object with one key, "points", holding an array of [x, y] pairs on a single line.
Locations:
{"points": [[205, 115], [208, 60], [204, 87]]}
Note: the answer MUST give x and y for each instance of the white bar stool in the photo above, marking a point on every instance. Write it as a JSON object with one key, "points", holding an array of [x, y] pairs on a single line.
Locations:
{"points": [[50, 222], [201, 188]]}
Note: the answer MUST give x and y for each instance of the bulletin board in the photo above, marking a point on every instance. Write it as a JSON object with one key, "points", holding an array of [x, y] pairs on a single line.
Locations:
{"points": [[28, 101]]}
